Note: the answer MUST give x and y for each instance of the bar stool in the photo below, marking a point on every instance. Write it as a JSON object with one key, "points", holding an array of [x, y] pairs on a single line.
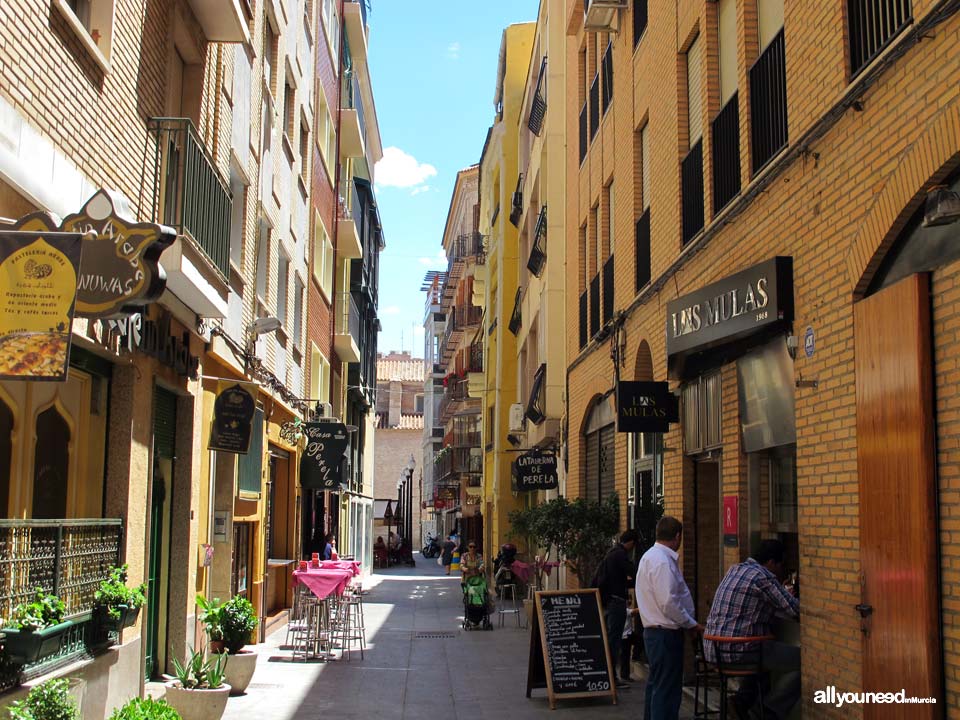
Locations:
{"points": [[501, 602], [736, 662], [302, 630], [348, 624], [704, 680]]}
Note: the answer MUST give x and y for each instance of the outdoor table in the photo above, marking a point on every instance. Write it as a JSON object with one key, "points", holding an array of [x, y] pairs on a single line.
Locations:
{"points": [[324, 581], [352, 565]]}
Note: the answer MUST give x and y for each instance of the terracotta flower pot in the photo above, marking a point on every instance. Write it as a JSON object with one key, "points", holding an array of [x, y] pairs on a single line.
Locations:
{"points": [[239, 670], [216, 647], [197, 704]]}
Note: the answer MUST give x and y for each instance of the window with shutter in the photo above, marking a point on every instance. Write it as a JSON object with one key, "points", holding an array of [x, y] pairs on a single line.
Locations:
{"points": [[250, 466]]}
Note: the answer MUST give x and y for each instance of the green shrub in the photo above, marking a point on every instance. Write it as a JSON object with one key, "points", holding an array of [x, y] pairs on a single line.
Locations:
{"points": [[114, 592], [146, 709], [210, 615], [41, 612], [200, 673], [237, 620], [48, 701]]}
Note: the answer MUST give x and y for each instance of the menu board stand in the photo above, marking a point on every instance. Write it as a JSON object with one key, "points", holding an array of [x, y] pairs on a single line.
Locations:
{"points": [[569, 655]]}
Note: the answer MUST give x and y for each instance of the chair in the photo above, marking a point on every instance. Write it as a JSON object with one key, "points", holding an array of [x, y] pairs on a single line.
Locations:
{"points": [[502, 592], [734, 662], [704, 679], [303, 627], [348, 627]]}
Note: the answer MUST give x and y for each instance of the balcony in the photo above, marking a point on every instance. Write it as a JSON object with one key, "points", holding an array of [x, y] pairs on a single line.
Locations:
{"points": [[452, 462], [475, 376], [346, 338], [355, 20], [583, 132], [516, 205], [190, 196], [583, 320], [726, 154], [606, 72], [459, 320], [69, 558], [595, 305], [221, 20], [642, 250], [538, 248], [536, 410], [594, 106], [873, 25], [468, 246], [353, 128], [538, 106], [768, 103], [691, 189], [608, 290], [348, 234], [603, 15], [516, 317]]}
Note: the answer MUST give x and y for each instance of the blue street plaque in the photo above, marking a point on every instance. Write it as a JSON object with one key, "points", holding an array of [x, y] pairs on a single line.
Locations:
{"points": [[808, 342]]}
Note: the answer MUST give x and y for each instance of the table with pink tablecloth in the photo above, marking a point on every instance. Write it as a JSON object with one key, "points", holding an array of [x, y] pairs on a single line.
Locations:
{"points": [[524, 570], [324, 582], [352, 565]]}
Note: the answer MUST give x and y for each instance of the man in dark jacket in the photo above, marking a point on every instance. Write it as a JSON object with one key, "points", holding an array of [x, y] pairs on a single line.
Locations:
{"points": [[614, 578]]}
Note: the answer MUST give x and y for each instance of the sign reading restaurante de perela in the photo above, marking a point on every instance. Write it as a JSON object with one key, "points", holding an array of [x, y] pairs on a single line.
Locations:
{"points": [[755, 299]]}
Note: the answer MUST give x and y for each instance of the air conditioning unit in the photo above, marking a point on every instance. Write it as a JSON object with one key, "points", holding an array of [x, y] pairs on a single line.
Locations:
{"points": [[603, 15], [516, 422]]}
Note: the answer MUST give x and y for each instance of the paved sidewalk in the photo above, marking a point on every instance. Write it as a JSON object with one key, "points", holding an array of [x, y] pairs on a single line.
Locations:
{"points": [[407, 673]]}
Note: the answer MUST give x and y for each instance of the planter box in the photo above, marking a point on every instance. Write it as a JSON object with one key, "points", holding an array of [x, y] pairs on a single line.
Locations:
{"points": [[28, 647], [197, 704], [128, 618]]}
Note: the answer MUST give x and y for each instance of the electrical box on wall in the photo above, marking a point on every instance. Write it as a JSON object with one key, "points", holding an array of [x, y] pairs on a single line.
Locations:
{"points": [[516, 418]]}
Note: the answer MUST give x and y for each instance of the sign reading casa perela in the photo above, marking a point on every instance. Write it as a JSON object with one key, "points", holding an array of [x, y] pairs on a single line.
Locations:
{"points": [[646, 407], [120, 269], [536, 470], [755, 299], [320, 461]]}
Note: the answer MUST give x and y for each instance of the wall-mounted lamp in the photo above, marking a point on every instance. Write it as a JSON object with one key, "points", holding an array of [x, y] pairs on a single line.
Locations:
{"points": [[262, 326], [942, 206]]}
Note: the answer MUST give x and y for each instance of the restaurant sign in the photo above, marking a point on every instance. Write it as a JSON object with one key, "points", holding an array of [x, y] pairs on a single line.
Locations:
{"points": [[536, 470], [320, 461], [233, 417], [733, 308], [120, 271], [646, 407], [38, 287]]}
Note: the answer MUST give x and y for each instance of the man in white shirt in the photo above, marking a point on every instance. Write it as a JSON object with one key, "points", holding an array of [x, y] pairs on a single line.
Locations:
{"points": [[666, 609]]}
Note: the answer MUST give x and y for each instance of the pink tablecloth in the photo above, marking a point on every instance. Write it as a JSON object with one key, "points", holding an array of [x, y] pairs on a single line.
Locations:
{"points": [[352, 565], [323, 582]]}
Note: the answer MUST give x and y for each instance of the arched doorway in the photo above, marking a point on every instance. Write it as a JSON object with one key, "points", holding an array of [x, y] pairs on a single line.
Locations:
{"points": [[51, 465], [599, 449]]}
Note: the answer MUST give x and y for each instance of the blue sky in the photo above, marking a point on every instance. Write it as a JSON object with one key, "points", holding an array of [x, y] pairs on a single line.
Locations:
{"points": [[433, 66]]}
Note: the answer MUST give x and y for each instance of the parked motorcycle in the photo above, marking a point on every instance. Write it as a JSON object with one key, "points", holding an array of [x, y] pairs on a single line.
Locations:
{"points": [[432, 549]]}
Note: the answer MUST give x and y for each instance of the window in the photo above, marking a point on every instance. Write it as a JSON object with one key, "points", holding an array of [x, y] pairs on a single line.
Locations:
{"points": [[263, 244], [50, 466], [250, 466], [768, 88], [6, 455], [873, 24], [691, 171], [326, 131], [606, 71], [694, 96], [331, 26], [92, 21], [297, 309], [599, 452], [283, 278], [319, 376], [783, 490], [270, 55], [701, 414], [418, 404], [241, 558], [304, 154], [237, 216], [322, 258], [608, 192], [642, 200], [639, 20], [726, 125], [288, 109], [645, 485]]}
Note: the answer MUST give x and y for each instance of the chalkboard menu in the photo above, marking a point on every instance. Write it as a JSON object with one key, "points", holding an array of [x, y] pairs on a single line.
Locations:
{"points": [[233, 417], [320, 461], [568, 646]]}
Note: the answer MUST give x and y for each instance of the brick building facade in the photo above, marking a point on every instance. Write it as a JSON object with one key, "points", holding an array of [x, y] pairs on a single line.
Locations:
{"points": [[787, 132]]}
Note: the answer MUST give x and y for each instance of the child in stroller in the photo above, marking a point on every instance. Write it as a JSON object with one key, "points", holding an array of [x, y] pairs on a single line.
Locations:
{"points": [[476, 604]]}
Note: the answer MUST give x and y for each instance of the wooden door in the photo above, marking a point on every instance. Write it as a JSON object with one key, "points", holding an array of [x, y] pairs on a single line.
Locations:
{"points": [[898, 508]]}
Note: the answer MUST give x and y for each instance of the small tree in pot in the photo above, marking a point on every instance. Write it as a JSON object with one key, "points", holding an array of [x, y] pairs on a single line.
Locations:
{"points": [[211, 612], [238, 620]]}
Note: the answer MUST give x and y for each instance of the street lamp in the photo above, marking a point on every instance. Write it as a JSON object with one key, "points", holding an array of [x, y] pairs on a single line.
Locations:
{"points": [[411, 466]]}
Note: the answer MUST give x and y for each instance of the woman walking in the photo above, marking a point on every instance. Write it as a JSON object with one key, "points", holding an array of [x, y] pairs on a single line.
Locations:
{"points": [[446, 555]]}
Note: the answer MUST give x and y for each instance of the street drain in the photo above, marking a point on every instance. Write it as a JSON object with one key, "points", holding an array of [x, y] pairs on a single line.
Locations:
{"points": [[434, 635]]}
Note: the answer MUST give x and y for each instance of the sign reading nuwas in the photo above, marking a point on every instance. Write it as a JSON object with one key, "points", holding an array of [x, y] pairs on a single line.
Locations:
{"points": [[536, 470], [38, 287], [120, 271], [320, 461], [233, 417], [646, 407], [732, 308]]}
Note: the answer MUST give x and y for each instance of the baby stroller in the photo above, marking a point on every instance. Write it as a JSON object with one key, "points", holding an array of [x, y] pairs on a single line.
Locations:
{"points": [[476, 604]]}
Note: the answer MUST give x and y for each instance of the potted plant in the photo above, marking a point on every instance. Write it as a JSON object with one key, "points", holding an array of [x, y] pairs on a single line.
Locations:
{"points": [[210, 614], [146, 709], [117, 606], [237, 620], [199, 691], [48, 701], [36, 628]]}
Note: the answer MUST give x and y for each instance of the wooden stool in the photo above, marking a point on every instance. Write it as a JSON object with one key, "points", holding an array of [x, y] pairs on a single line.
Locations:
{"points": [[736, 663]]}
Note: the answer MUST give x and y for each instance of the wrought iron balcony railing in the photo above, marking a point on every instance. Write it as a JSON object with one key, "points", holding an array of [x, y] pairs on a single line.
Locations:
{"points": [[595, 305], [516, 203], [538, 105], [642, 250], [476, 358], [188, 192], [595, 106], [583, 132], [608, 290], [768, 103], [606, 72], [538, 248], [691, 187], [516, 317], [583, 320], [873, 24], [726, 154]]}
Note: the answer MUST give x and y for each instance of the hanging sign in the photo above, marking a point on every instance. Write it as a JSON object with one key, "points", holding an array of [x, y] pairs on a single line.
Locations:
{"points": [[233, 417], [38, 287], [536, 470], [320, 461], [121, 271], [646, 407], [731, 518]]}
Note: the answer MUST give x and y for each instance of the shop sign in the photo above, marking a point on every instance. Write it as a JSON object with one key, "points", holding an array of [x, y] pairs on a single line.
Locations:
{"points": [[320, 461], [536, 470], [733, 308], [120, 271], [448, 493], [646, 407], [439, 504], [731, 513], [233, 417], [473, 499], [154, 338], [38, 288]]}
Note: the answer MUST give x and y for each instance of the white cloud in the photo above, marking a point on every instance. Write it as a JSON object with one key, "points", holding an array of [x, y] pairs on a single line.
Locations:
{"points": [[399, 169], [418, 190], [391, 310], [438, 261], [453, 51]]}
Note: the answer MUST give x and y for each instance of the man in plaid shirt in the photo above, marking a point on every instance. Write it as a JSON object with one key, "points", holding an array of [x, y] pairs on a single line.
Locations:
{"points": [[746, 602]]}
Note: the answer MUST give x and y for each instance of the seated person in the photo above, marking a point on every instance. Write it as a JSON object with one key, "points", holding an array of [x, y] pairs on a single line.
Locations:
{"points": [[748, 598], [380, 552], [328, 551]]}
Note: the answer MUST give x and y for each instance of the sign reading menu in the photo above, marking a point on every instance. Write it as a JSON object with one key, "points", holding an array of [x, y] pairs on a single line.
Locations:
{"points": [[121, 271], [568, 647], [233, 417], [536, 470], [320, 461], [38, 286], [646, 407]]}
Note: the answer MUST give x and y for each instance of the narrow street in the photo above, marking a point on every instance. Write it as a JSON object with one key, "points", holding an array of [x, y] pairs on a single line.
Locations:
{"points": [[409, 671]]}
